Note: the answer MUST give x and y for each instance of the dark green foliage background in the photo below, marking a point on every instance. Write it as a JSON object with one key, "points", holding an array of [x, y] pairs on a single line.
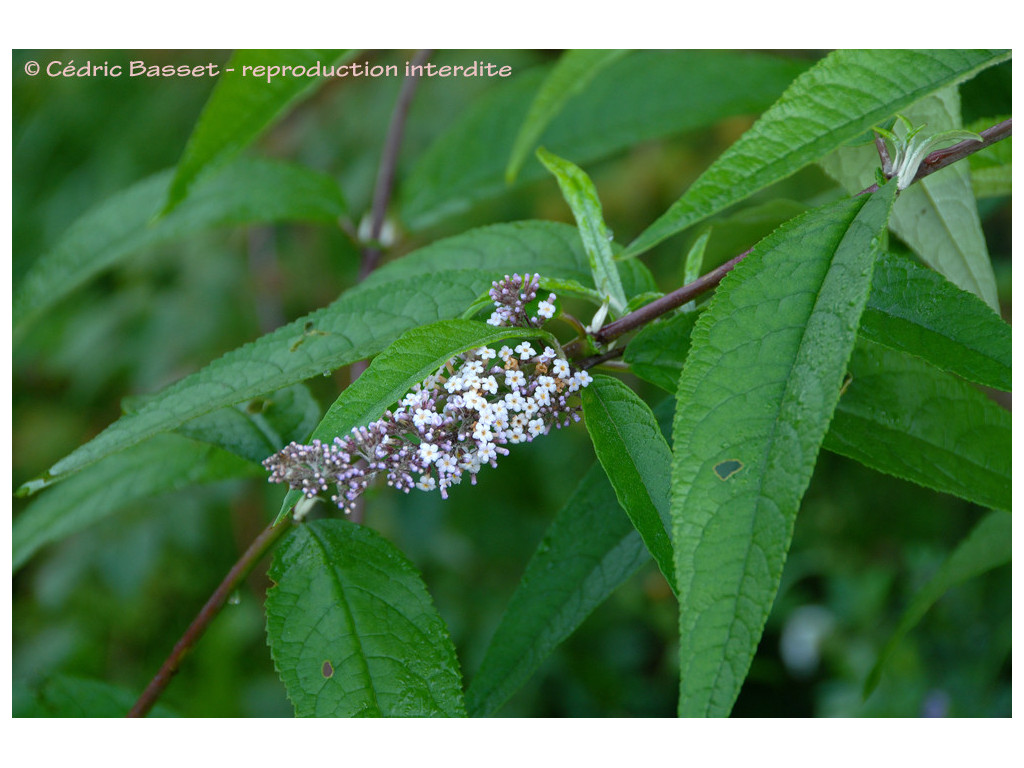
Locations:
{"points": [[109, 603]]}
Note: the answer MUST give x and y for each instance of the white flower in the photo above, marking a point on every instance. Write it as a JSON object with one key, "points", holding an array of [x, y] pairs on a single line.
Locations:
{"points": [[514, 401], [546, 310], [489, 384], [536, 427], [494, 319], [426, 483], [582, 378], [547, 354], [560, 368], [514, 379], [473, 366], [428, 452], [446, 464], [482, 433], [486, 453], [505, 353], [542, 396], [474, 400], [485, 353], [546, 384], [525, 351], [423, 417]]}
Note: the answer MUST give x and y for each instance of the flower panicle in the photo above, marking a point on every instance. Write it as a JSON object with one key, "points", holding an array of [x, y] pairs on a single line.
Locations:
{"points": [[451, 425]]}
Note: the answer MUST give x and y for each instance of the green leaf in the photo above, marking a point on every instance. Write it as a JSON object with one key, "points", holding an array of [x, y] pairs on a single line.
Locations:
{"points": [[643, 96], [937, 217], [161, 465], [902, 417], [834, 102], [658, 351], [588, 551], [579, 192], [353, 631], [636, 459], [243, 192], [359, 324], [570, 76], [992, 167], [755, 398], [68, 696], [916, 310], [242, 105], [988, 546]]}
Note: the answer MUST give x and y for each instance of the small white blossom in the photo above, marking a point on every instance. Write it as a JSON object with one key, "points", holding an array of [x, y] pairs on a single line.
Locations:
{"points": [[515, 401], [560, 368], [515, 379], [536, 427], [505, 353], [485, 353], [546, 310], [428, 452], [426, 483], [525, 351]]}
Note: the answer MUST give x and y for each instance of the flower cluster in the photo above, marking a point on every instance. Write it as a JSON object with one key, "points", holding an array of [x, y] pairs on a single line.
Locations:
{"points": [[510, 297], [457, 421]]}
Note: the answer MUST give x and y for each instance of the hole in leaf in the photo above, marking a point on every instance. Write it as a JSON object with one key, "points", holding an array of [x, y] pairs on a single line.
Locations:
{"points": [[728, 468], [328, 669]]}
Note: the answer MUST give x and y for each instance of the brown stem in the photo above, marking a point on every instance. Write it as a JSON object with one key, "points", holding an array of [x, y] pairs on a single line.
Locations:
{"points": [[388, 164], [260, 546], [935, 161]]}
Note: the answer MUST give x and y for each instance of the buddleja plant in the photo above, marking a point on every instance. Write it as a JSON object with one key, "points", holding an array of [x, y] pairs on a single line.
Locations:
{"points": [[820, 335]]}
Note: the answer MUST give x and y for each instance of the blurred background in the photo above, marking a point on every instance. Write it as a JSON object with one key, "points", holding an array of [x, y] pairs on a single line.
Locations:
{"points": [[108, 604]]}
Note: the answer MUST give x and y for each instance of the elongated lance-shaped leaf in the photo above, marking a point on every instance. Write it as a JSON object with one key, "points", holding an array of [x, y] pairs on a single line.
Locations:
{"points": [[359, 324], [243, 104], [643, 96], [637, 460], [416, 354], [353, 630], [987, 546], [915, 309], [161, 465], [571, 75], [588, 551], [831, 104], [900, 416], [579, 192], [937, 217], [755, 398], [245, 191]]}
